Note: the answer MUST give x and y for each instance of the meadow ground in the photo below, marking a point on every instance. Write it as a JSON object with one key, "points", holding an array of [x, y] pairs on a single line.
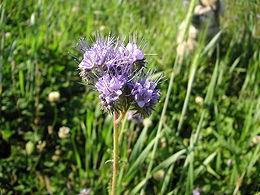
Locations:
{"points": [[207, 135]]}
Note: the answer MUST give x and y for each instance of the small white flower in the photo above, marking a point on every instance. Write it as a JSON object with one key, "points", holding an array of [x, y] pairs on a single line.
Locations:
{"points": [[64, 132], [75, 8], [32, 19], [54, 96], [7, 34], [29, 147], [50, 129], [229, 162], [102, 28], [199, 100], [159, 175], [41, 145], [163, 142], [55, 157], [256, 140], [85, 191]]}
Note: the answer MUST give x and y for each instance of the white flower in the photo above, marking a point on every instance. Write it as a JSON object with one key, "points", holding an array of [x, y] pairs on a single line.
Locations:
{"points": [[229, 162], [256, 140], [159, 175], [199, 100], [32, 19], [64, 132], [29, 147], [85, 191], [54, 96], [41, 145]]}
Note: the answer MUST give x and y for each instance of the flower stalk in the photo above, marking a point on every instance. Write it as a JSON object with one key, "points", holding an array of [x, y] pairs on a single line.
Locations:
{"points": [[115, 154]]}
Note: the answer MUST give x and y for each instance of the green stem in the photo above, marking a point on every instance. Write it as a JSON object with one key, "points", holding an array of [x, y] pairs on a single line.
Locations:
{"points": [[122, 128], [115, 155], [55, 116]]}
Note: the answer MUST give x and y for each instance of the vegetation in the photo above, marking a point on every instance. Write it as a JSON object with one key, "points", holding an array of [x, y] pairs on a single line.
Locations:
{"points": [[205, 127]]}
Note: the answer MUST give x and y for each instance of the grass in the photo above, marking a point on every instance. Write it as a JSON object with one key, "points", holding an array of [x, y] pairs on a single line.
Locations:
{"points": [[184, 145]]}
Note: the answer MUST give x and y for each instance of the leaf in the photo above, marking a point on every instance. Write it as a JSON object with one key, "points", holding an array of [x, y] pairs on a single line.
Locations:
{"points": [[141, 158], [7, 133], [169, 161]]}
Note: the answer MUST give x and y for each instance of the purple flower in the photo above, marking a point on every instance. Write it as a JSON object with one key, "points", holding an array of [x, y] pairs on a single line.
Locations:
{"points": [[134, 52], [101, 54], [110, 89], [145, 94], [196, 191], [124, 59], [113, 68], [131, 53]]}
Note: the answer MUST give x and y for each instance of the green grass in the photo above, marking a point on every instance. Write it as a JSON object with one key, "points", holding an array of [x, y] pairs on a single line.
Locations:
{"points": [[187, 145]]}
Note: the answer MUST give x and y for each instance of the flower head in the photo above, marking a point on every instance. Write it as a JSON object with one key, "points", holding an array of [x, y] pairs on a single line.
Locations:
{"points": [[41, 145], [131, 53], [135, 52], [99, 55], [54, 96], [145, 94], [113, 68], [64, 132], [110, 88]]}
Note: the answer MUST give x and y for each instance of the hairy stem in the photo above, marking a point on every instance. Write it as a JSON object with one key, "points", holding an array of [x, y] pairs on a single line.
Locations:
{"points": [[115, 155]]}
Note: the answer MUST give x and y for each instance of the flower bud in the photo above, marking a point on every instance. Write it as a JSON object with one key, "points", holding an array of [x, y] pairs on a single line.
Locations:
{"points": [[55, 157], [57, 152], [163, 142], [229, 162], [41, 145], [159, 175], [85, 191], [199, 100], [29, 147], [50, 129], [53, 96], [256, 140]]}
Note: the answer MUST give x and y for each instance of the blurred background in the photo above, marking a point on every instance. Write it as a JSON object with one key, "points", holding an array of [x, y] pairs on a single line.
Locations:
{"points": [[55, 139]]}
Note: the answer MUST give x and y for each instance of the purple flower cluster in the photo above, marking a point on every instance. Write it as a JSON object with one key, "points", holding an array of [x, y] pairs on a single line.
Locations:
{"points": [[118, 73], [145, 94], [110, 89]]}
